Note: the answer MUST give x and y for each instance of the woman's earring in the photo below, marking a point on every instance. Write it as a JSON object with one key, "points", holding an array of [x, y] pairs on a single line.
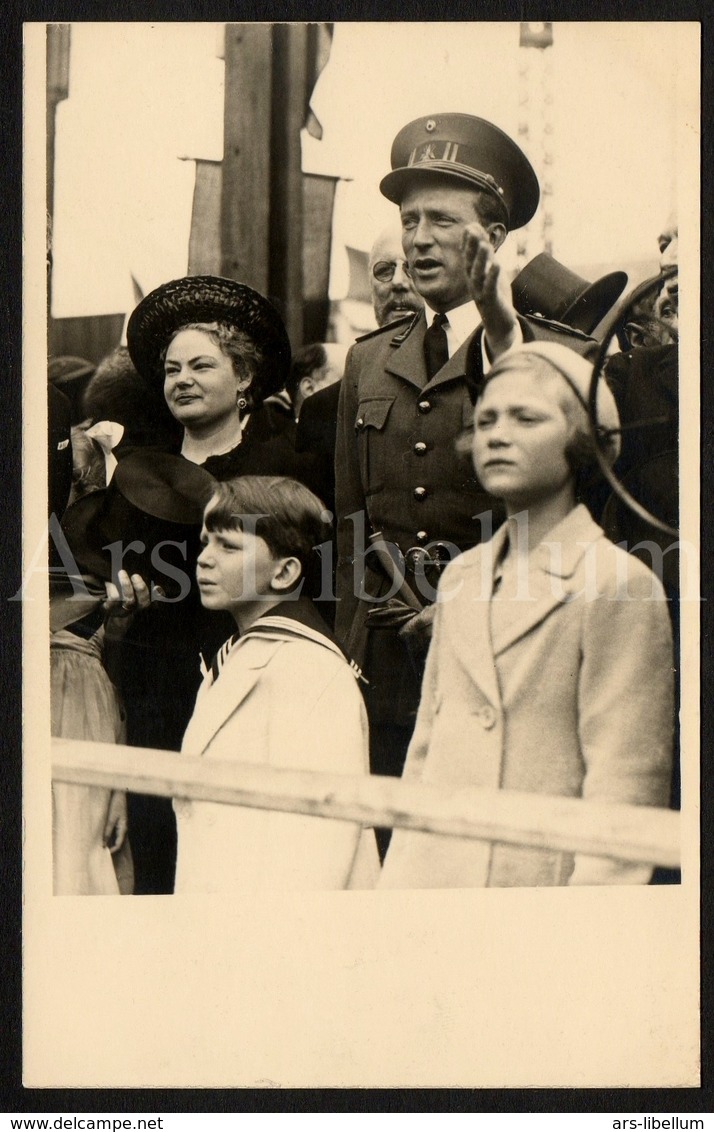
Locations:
{"points": [[242, 403]]}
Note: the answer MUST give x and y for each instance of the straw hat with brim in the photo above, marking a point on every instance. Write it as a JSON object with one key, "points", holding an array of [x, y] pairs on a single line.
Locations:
{"points": [[576, 370], [550, 289], [208, 298], [470, 151], [153, 498]]}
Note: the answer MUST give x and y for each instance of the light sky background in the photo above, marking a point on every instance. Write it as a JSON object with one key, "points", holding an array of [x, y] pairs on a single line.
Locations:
{"points": [[144, 96]]}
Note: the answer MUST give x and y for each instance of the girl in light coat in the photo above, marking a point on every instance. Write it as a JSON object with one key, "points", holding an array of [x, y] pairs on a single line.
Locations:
{"points": [[550, 667]]}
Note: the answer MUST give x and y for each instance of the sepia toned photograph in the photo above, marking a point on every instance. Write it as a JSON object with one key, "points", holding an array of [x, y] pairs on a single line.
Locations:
{"points": [[366, 548]]}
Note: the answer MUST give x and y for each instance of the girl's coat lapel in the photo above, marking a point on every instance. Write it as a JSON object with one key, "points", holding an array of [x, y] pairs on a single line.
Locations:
{"points": [[555, 577]]}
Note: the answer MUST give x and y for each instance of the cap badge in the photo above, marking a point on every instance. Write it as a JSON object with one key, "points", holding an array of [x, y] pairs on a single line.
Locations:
{"points": [[434, 151], [430, 125]]}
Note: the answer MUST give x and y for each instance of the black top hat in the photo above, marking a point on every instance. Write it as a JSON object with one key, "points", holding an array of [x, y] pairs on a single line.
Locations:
{"points": [[208, 298], [546, 287], [473, 151], [154, 497]]}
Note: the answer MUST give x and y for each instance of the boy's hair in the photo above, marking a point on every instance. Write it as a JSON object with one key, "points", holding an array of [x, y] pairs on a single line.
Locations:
{"points": [[305, 361], [290, 519]]}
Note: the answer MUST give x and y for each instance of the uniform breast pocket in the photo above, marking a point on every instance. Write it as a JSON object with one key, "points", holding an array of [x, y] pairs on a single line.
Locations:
{"points": [[371, 433]]}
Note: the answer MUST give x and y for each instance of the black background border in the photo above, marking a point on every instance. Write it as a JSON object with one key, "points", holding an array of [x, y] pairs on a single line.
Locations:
{"points": [[13, 1097]]}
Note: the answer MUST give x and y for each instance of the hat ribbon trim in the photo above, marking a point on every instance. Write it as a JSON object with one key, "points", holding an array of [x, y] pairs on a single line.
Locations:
{"points": [[485, 180]]}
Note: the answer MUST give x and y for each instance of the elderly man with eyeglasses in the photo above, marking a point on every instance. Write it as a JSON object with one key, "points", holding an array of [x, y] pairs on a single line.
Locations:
{"points": [[390, 283], [461, 184]]}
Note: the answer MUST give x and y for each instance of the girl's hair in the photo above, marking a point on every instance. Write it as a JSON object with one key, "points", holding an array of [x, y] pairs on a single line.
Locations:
{"points": [[288, 517], [580, 447], [246, 357]]}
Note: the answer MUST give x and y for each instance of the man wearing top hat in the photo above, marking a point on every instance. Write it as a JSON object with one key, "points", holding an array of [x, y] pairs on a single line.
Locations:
{"points": [[461, 185]]}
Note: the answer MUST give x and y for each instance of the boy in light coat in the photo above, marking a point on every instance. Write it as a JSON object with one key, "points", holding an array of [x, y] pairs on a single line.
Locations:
{"points": [[280, 693]]}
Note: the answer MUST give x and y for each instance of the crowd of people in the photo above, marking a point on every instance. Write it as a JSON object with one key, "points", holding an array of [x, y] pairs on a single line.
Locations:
{"points": [[399, 558]]}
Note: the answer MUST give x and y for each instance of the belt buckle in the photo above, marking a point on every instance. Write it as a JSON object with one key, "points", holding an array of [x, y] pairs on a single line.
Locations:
{"points": [[435, 556]]}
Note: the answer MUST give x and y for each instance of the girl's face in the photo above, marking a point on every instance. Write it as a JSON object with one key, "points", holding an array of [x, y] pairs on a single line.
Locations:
{"points": [[520, 435], [235, 568], [200, 384]]}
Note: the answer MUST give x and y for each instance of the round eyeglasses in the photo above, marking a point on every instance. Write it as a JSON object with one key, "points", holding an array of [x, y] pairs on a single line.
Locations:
{"points": [[384, 270]]}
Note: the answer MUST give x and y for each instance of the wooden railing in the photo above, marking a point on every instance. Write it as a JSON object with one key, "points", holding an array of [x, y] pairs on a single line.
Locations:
{"points": [[623, 832]]}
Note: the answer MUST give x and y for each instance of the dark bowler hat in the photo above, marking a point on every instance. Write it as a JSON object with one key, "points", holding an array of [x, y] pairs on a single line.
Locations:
{"points": [[154, 497], [71, 376], [208, 298], [474, 152], [546, 287], [65, 369]]}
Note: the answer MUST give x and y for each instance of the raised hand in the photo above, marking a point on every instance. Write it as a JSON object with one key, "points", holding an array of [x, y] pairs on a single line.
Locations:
{"points": [[490, 291]]}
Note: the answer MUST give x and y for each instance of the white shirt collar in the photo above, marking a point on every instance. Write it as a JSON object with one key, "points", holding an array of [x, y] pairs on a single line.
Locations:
{"points": [[463, 321]]}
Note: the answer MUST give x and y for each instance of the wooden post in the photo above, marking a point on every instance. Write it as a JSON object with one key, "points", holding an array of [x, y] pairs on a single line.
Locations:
{"points": [[245, 194], [289, 98], [269, 74]]}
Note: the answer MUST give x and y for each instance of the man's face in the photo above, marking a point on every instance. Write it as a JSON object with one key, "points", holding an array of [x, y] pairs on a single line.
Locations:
{"points": [[394, 297], [667, 306], [668, 244], [433, 222], [667, 311]]}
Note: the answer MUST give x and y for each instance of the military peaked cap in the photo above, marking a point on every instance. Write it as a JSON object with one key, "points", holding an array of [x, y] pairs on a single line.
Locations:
{"points": [[472, 151]]}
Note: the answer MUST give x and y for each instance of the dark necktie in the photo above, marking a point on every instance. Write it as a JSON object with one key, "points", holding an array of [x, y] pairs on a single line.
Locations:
{"points": [[436, 348]]}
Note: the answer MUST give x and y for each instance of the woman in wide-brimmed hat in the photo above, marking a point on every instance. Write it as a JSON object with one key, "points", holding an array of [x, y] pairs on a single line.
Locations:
{"points": [[216, 349]]}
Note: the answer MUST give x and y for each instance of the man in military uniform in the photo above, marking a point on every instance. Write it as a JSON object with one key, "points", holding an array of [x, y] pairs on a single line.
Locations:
{"points": [[461, 185]]}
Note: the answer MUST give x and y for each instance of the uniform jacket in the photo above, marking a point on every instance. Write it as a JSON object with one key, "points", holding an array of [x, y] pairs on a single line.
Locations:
{"points": [[278, 701], [395, 458], [317, 434], [574, 698]]}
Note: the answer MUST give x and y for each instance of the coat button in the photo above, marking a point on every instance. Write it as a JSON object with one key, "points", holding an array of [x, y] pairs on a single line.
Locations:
{"points": [[419, 493], [420, 448], [424, 406], [486, 717], [421, 536], [359, 422]]}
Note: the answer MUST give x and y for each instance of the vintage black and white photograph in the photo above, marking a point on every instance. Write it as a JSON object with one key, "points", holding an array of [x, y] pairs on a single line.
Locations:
{"points": [[365, 546]]}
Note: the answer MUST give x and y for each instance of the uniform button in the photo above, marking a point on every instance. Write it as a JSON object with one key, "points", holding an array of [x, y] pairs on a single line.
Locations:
{"points": [[420, 448], [424, 406], [360, 422], [486, 717], [419, 493], [421, 536]]}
